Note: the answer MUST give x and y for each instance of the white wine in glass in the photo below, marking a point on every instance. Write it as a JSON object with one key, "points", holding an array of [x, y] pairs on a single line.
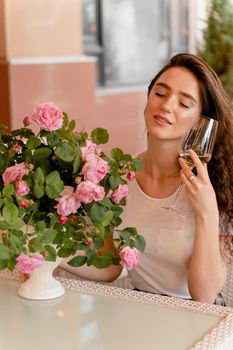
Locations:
{"points": [[200, 138]]}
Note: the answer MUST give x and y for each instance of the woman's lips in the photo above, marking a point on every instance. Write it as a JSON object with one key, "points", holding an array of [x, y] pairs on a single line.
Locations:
{"points": [[162, 120]]}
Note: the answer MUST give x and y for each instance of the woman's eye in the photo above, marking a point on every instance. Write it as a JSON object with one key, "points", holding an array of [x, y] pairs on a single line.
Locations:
{"points": [[159, 94], [184, 105]]}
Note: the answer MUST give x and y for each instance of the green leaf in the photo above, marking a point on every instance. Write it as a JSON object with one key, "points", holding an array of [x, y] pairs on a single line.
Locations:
{"points": [[127, 158], [35, 245], [97, 212], [53, 219], [3, 162], [78, 261], [64, 252], [99, 136], [65, 152], [42, 153], [52, 253], [64, 134], [16, 244], [100, 229], [116, 221], [5, 252], [124, 234], [117, 154], [98, 242], [11, 263], [38, 191], [117, 211], [49, 235], [106, 202], [4, 225], [107, 218], [76, 163], [65, 119], [140, 243], [40, 226], [17, 224], [38, 177], [102, 261], [3, 264], [54, 185], [114, 181], [27, 155], [128, 232], [33, 142], [53, 139], [71, 125], [137, 164], [91, 254], [10, 213], [8, 190]]}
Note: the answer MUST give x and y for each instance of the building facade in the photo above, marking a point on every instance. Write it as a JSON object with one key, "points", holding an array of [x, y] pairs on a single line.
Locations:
{"points": [[93, 58]]}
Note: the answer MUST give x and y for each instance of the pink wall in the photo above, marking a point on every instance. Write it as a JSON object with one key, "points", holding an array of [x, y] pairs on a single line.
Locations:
{"points": [[44, 62], [71, 86], [43, 28]]}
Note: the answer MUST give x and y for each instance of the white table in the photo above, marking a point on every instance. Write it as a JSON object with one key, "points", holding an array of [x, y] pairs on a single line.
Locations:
{"points": [[93, 316]]}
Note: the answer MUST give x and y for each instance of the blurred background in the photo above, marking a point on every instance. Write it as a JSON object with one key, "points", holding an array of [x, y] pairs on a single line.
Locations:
{"points": [[95, 58]]}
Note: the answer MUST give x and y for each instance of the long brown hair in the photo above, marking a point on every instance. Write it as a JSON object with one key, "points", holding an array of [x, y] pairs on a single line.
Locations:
{"points": [[217, 105]]}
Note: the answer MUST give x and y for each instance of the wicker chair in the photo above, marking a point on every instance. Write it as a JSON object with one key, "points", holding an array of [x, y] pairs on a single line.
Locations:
{"points": [[124, 282], [227, 291]]}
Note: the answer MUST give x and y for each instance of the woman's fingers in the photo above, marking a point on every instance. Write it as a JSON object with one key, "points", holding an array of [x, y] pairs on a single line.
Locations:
{"points": [[199, 165]]}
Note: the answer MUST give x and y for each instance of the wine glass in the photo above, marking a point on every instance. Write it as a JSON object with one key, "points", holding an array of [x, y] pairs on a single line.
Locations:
{"points": [[200, 138]]}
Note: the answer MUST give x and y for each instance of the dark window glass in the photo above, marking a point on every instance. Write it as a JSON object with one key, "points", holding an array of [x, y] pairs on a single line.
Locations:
{"points": [[132, 39]]}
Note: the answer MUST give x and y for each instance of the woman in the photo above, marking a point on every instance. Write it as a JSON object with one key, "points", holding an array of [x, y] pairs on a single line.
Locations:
{"points": [[187, 248]]}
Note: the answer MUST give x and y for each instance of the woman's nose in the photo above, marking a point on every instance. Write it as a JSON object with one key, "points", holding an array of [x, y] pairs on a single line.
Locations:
{"points": [[169, 104], [166, 108]]}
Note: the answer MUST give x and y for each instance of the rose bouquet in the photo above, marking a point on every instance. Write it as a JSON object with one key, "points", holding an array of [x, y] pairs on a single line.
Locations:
{"points": [[61, 194]]}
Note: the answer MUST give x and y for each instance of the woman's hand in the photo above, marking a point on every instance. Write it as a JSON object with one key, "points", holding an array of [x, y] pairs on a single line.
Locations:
{"points": [[199, 188]]}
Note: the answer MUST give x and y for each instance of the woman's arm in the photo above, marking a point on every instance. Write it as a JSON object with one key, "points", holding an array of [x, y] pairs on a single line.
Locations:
{"points": [[107, 274], [207, 268]]}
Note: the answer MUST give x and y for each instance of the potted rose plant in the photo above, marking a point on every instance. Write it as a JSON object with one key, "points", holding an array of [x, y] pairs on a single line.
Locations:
{"points": [[60, 193]]}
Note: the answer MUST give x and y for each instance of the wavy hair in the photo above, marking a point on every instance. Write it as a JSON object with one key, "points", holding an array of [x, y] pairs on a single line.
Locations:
{"points": [[216, 104]]}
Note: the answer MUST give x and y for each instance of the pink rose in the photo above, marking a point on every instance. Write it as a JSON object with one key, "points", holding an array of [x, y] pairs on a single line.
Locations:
{"points": [[131, 175], [94, 169], [87, 191], [89, 241], [90, 148], [26, 121], [62, 220], [68, 191], [16, 148], [48, 116], [24, 203], [129, 257], [15, 172], [26, 264], [119, 193], [67, 202], [21, 188]]}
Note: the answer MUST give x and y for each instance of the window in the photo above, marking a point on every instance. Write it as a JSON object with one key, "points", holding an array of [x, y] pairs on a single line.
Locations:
{"points": [[132, 38]]}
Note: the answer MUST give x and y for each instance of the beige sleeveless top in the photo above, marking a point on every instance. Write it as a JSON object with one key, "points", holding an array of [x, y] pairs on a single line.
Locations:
{"points": [[169, 239]]}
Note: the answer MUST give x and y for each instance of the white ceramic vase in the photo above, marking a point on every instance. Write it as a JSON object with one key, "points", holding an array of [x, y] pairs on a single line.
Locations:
{"points": [[41, 284]]}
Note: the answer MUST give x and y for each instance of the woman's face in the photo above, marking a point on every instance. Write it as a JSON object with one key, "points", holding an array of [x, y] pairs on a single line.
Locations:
{"points": [[173, 104]]}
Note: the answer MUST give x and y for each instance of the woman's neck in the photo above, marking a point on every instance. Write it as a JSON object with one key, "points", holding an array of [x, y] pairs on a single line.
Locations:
{"points": [[161, 163]]}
